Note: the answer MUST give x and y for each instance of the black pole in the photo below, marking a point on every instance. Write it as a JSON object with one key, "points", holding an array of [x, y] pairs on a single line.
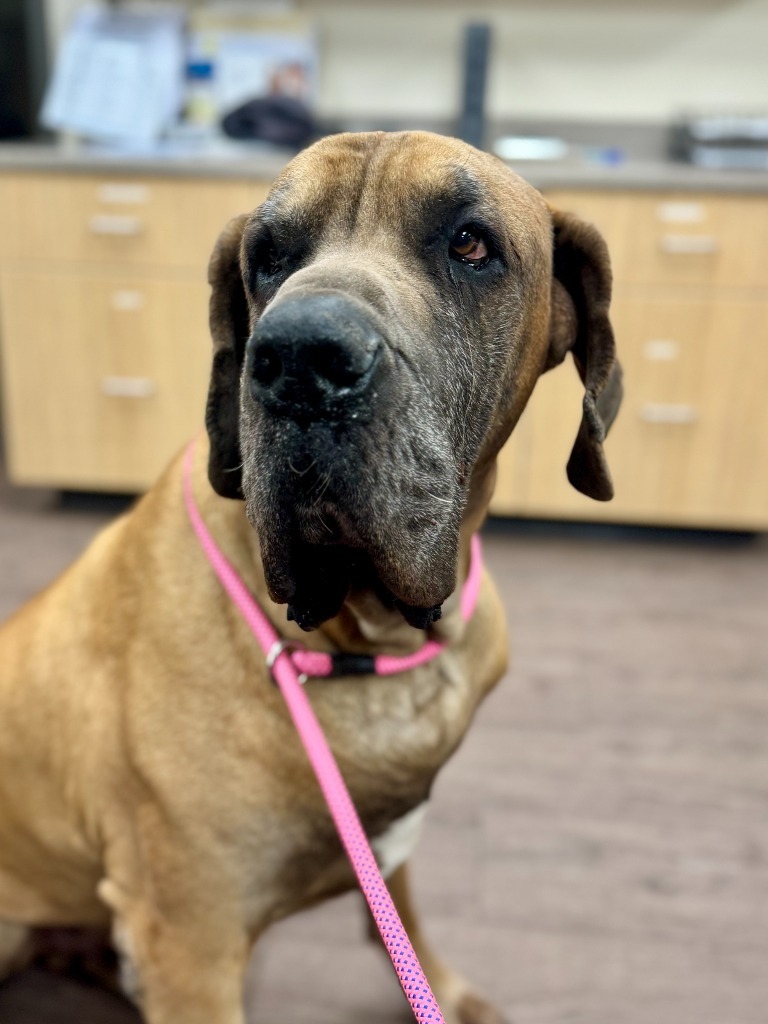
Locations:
{"points": [[477, 45]]}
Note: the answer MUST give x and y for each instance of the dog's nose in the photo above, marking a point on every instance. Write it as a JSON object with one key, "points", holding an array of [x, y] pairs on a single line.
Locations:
{"points": [[313, 356]]}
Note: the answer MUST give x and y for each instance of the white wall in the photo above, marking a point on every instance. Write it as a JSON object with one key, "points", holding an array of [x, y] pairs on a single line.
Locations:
{"points": [[59, 13], [595, 59]]}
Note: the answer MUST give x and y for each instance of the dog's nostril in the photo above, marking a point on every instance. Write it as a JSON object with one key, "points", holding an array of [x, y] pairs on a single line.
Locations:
{"points": [[342, 366], [267, 365], [314, 357]]}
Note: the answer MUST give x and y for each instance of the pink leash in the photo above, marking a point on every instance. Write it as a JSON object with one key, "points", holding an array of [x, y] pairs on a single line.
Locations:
{"points": [[287, 667]]}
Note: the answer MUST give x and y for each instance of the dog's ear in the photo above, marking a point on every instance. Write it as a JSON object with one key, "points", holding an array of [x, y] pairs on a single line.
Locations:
{"points": [[230, 327], [581, 294]]}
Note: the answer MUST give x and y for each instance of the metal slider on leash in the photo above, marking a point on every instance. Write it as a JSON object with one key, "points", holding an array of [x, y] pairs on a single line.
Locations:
{"points": [[279, 647], [330, 666]]}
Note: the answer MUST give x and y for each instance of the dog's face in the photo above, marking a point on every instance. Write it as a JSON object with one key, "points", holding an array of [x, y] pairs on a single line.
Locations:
{"points": [[379, 323]]}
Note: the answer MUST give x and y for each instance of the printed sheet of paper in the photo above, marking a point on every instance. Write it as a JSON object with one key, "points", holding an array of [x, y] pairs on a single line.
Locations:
{"points": [[118, 76]]}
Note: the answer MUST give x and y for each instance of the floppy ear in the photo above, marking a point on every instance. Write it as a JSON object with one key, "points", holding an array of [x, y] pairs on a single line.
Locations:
{"points": [[230, 327], [581, 294]]}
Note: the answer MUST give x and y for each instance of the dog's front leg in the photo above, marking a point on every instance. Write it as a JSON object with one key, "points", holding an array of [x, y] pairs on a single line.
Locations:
{"points": [[457, 999], [181, 967], [13, 940]]}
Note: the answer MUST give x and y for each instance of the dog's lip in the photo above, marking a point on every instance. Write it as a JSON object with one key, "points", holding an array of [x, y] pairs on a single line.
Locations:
{"points": [[327, 524], [409, 567], [371, 572], [323, 504]]}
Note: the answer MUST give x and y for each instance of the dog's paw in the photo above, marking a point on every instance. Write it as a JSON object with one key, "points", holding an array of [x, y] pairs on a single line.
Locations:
{"points": [[472, 1009]]}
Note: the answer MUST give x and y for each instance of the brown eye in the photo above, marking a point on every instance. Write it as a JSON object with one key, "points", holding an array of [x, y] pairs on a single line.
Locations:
{"points": [[469, 247]]}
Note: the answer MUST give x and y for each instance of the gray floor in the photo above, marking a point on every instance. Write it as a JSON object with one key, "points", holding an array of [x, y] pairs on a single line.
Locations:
{"points": [[597, 852]]}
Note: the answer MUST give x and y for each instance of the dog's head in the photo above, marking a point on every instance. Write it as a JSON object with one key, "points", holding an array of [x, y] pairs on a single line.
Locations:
{"points": [[378, 324]]}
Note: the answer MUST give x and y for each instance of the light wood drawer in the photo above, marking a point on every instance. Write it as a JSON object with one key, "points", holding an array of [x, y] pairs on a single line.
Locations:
{"points": [[679, 238], [690, 443], [104, 376], [134, 221]]}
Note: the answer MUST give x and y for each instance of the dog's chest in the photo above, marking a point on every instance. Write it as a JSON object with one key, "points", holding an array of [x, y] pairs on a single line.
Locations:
{"points": [[393, 735], [390, 743], [396, 843]]}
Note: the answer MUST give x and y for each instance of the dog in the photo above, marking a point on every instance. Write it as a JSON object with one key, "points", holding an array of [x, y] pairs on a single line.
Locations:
{"points": [[378, 325]]}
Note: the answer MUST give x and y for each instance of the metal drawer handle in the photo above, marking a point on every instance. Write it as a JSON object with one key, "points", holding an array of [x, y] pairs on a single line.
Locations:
{"points": [[123, 192], [689, 245], [127, 300], [677, 415], [114, 224], [681, 211], [661, 350], [128, 387]]}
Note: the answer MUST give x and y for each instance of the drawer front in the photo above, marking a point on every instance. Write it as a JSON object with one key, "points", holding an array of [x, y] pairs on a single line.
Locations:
{"points": [[679, 238], [690, 442], [90, 219], [104, 377]]}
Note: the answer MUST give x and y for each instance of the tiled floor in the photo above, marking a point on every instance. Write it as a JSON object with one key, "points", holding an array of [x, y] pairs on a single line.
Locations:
{"points": [[597, 852]]}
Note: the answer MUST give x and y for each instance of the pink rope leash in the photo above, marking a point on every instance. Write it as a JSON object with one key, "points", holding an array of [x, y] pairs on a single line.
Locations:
{"points": [[345, 817]]}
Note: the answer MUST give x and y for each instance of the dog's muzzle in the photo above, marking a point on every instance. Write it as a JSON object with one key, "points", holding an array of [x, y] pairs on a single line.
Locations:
{"points": [[343, 458], [314, 357]]}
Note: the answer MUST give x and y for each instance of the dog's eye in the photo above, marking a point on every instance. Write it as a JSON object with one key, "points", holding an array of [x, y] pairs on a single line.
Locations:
{"points": [[274, 264], [469, 246], [270, 262], [266, 257]]}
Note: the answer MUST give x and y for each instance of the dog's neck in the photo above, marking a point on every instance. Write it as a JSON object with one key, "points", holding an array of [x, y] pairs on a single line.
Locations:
{"points": [[365, 618]]}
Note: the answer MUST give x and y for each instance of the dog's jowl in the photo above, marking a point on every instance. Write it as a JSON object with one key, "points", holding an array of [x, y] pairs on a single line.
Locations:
{"points": [[378, 326]]}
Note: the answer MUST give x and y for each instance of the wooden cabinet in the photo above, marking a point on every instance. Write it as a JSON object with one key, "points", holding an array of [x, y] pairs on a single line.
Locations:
{"points": [[104, 320], [105, 347], [690, 445]]}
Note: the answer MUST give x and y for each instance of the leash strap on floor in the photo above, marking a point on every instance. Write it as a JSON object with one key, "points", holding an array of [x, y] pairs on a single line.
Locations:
{"points": [[409, 971]]}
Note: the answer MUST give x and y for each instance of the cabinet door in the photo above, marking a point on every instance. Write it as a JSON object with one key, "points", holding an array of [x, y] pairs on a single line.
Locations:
{"points": [[690, 444], [104, 375]]}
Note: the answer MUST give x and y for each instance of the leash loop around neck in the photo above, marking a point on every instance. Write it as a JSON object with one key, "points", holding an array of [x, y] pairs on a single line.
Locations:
{"points": [[282, 658]]}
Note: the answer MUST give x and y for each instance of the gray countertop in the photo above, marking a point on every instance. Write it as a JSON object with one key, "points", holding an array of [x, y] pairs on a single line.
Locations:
{"points": [[261, 161], [219, 160]]}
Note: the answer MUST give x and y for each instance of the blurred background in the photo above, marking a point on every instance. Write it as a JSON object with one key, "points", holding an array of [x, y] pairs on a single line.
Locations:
{"points": [[598, 849]]}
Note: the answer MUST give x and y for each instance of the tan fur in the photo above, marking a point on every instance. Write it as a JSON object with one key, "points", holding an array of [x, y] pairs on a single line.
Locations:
{"points": [[149, 773]]}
